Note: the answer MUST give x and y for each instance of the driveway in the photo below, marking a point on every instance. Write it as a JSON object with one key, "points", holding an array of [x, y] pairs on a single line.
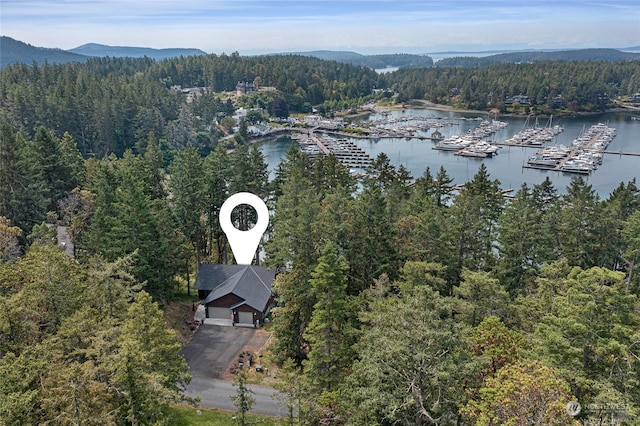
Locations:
{"points": [[209, 354]]}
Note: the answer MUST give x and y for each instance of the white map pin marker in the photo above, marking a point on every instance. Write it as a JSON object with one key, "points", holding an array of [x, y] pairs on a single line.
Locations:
{"points": [[244, 243]]}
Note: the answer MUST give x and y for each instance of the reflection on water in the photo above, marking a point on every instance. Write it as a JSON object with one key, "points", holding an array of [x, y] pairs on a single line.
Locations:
{"points": [[416, 155]]}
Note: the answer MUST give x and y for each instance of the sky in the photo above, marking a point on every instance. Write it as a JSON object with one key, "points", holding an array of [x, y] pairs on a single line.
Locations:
{"points": [[364, 26]]}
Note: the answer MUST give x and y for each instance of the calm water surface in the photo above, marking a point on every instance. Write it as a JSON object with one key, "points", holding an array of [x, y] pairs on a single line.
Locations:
{"points": [[416, 155]]}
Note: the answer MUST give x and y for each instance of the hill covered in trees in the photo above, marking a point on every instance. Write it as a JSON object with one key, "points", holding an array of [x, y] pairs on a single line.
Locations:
{"points": [[397, 298], [15, 52], [101, 50], [111, 104], [399, 60], [612, 55], [581, 86]]}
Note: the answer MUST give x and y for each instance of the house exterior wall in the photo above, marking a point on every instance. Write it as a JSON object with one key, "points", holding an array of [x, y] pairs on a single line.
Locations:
{"points": [[225, 301]]}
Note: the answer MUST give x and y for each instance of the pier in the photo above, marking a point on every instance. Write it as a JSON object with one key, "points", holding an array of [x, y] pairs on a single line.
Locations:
{"points": [[534, 136], [320, 144], [635, 154], [583, 156], [347, 152]]}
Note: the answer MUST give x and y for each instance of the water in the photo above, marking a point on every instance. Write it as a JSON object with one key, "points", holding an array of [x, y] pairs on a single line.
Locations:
{"points": [[416, 155]]}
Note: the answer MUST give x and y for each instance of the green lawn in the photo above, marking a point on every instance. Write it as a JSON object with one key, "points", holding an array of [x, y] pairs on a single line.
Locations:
{"points": [[187, 416]]}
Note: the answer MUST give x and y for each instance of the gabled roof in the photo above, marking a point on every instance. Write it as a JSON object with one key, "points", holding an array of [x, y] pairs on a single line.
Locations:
{"points": [[249, 282]]}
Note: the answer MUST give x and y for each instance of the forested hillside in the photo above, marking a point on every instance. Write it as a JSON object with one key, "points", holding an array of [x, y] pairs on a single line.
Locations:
{"points": [[407, 304], [581, 55], [14, 51], [372, 61], [110, 105], [101, 50], [582, 86], [400, 299]]}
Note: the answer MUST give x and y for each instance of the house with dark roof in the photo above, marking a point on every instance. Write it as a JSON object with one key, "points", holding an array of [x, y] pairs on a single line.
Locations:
{"points": [[518, 99], [238, 293]]}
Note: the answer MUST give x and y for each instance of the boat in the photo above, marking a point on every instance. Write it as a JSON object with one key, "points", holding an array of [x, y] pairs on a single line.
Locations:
{"points": [[472, 152]]}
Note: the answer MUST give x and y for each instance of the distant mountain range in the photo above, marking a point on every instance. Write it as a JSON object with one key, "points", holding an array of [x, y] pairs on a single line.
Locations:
{"points": [[14, 51], [100, 50]]}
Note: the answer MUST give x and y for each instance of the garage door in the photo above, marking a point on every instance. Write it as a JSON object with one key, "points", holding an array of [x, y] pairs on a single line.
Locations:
{"points": [[245, 317], [219, 313]]}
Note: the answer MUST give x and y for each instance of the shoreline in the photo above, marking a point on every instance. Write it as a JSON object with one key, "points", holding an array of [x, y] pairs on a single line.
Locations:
{"points": [[368, 109], [424, 104]]}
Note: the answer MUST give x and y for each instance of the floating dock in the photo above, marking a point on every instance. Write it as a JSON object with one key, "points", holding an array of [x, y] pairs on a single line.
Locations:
{"points": [[583, 156], [347, 152]]}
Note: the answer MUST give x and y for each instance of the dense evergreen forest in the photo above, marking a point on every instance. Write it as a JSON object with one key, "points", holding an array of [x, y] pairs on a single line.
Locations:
{"points": [[582, 86], [610, 55], [110, 105], [372, 61], [399, 300]]}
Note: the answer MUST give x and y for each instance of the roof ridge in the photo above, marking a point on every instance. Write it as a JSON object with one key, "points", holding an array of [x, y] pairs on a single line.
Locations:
{"points": [[260, 279]]}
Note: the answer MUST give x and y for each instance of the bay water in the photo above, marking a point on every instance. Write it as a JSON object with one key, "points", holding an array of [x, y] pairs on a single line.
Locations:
{"points": [[418, 154]]}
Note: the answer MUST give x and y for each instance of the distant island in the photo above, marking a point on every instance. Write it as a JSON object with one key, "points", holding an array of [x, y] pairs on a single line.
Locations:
{"points": [[611, 55], [13, 51], [101, 50], [397, 60]]}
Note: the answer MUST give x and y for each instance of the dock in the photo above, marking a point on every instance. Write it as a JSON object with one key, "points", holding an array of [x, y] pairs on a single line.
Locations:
{"points": [[534, 136], [347, 152], [320, 144], [582, 157], [635, 154]]}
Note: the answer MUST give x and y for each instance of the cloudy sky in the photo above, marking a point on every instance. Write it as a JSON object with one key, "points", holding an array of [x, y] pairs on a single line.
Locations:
{"points": [[365, 26]]}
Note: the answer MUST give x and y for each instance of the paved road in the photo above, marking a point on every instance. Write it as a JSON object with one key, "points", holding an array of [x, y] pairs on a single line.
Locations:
{"points": [[208, 354], [215, 393]]}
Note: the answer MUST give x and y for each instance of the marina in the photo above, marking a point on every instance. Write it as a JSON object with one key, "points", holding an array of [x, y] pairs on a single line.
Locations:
{"points": [[509, 166], [535, 136], [405, 127], [472, 143], [347, 152], [583, 156]]}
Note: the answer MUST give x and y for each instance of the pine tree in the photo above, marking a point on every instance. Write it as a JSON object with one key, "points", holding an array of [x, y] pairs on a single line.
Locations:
{"points": [[523, 242], [242, 399], [630, 233], [24, 193], [330, 333], [9, 243], [128, 220], [187, 186], [578, 219], [472, 223], [148, 370], [369, 251], [217, 170]]}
